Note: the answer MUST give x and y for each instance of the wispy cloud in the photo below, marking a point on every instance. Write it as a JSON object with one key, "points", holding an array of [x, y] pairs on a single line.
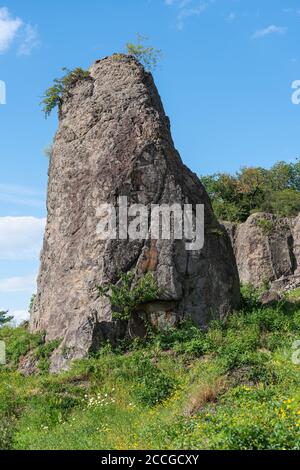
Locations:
{"points": [[30, 40], [18, 284], [20, 237], [15, 29], [187, 9], [261, 33], [21, 195], [9, 27]]}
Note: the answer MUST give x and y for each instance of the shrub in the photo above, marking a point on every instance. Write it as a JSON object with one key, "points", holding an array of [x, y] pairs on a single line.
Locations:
{"points": [[125, 297], [54, 95], [148, 56]]}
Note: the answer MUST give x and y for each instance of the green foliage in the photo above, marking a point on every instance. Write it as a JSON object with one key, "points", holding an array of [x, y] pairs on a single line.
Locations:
{"points": [[148, 56], [6, 433], [235, 197], [233, 386], [153, 386], [265, 225], [43, 353], [4, 318], [283, 203], [125, 297], [53, 96], [19, 341]]}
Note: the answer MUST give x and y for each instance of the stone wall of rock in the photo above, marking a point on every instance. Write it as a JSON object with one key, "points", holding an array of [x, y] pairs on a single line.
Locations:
{"points": [[114, 140], [267, 248]]}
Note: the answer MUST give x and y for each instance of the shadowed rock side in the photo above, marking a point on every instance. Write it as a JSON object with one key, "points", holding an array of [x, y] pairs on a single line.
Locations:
{"points": [[114, 140], [267, 249]]}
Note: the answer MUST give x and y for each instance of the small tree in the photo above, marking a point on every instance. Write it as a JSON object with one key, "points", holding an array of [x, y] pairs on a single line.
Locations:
{"points": [[148, 56], [4, 318], [124, 298], [53, 96]]}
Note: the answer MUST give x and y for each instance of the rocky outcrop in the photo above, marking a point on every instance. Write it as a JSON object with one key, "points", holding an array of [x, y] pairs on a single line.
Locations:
{"points": [[267, 248], [279, 288], [114, 140]]}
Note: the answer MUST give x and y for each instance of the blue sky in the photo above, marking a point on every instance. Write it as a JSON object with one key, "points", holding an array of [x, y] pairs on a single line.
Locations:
{"points": [[225, 80]]}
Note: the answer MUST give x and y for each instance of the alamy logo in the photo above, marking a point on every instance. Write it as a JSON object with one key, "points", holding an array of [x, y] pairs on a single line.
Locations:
{"points": [[296, 94], [157, 222], [2, 92]]}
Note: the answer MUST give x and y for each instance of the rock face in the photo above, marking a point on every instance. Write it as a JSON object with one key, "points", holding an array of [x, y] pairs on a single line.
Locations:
{"points": [[114, 140], [267, 248]]}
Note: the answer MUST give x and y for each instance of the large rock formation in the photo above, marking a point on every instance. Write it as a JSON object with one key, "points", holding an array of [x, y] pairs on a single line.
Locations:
{"points": [[267, 248], [114, 140]]}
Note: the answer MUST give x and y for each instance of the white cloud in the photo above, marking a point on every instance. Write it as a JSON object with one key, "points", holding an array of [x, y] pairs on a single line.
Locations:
{"points": [[8, 29], [189, 12], [19, 316], [13, 27], [20, 237], [18, 284], [187, 9], [261, 33], [30, 40]]}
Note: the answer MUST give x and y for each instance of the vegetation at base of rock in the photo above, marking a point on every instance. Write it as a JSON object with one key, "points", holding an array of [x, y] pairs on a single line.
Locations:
{"points": [[236, 197], [148, 56], [54, 95], [19, 342], [232, 387], [126, 297]]}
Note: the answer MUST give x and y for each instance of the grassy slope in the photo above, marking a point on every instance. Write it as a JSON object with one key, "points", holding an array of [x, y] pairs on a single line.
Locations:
{"points": [[234, 387]]}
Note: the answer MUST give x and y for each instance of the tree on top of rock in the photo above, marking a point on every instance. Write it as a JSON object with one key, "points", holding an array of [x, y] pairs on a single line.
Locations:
{"points": [[148, 56]]}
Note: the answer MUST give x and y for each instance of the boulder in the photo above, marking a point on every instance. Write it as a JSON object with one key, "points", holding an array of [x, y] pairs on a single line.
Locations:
{"points": [[266, 247], [114, 141]]}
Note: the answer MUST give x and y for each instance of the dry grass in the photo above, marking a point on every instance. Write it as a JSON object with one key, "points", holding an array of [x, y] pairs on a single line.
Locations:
{"points": [[205, 393]]}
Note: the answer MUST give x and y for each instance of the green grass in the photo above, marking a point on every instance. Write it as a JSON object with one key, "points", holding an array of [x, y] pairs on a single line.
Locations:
{"points": [[234, 387], [294, 295]]}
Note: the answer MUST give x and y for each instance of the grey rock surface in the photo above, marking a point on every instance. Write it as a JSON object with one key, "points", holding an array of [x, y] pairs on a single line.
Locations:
{"points": [[114, 140], [267, 248]]}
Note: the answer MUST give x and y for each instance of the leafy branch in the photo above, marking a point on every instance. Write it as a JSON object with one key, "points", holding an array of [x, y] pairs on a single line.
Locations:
{"points": [[53, 96], [148, 56], [125, 298]]}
